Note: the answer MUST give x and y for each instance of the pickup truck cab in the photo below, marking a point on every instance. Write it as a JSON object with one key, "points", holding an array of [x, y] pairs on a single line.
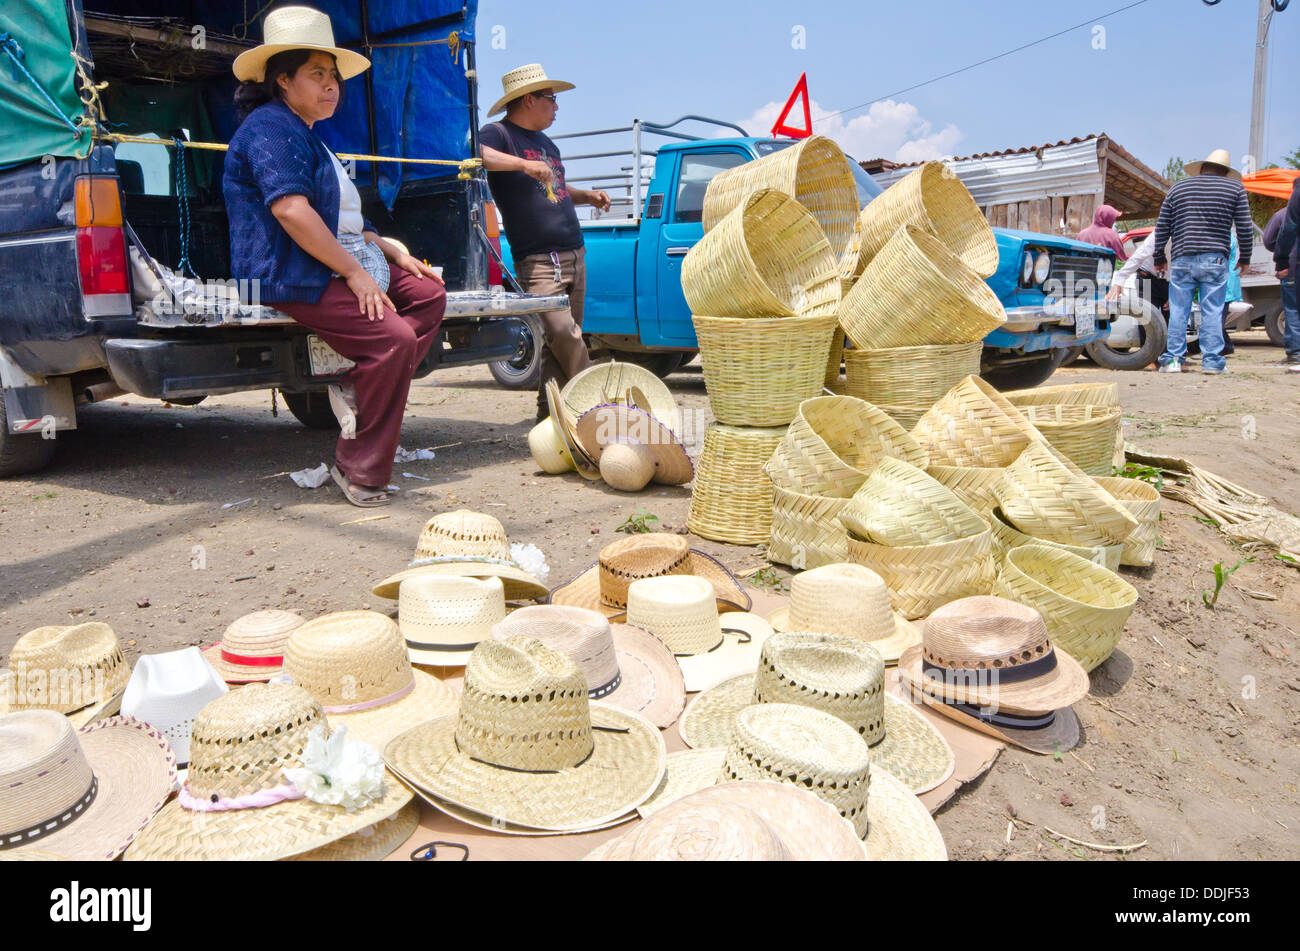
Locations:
{"points": [[635, 307]]}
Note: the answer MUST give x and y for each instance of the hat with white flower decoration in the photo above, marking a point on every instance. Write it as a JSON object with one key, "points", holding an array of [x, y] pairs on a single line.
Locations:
{"points": [[268, 779]]}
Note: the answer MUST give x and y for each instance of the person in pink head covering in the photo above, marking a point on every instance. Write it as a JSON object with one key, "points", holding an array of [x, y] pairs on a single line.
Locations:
{"points": [[1102, 231]]}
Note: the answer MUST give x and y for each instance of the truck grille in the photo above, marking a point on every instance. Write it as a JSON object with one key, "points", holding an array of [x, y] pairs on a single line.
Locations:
{"points": [[1070, 269]]}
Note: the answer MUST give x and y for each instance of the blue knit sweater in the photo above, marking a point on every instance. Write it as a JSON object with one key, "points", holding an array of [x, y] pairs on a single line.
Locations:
{"points": [[274, 154]]}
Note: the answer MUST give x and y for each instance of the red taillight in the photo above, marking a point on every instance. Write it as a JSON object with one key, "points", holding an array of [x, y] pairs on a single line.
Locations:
{"points": [[101, 256], [494, 238]]}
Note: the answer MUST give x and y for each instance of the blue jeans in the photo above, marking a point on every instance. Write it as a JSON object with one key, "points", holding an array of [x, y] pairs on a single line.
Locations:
{"points": [[1291, 326], [1208, 274]]}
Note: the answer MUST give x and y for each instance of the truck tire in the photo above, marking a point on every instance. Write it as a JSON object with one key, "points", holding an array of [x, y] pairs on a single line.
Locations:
{"points": [[1024, 376], [1155, 335], [312, 409], [660, 364], [1071, 355], [1275, 326], [20, 455], [523, 371]]}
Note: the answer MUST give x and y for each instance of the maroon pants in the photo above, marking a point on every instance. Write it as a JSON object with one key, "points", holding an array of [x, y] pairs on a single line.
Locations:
{"points": [[386, 353]]}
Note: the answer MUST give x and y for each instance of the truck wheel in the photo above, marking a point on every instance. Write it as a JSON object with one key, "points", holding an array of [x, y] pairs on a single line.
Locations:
{"points": [[523, 371], [20, 455], [1071, 355], [1275, 326], [660, 364], [312, 409], [1154, 334], [1023, 376]]}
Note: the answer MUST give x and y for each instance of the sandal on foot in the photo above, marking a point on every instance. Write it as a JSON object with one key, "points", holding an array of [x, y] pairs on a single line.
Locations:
{"points": [[359, 496]]}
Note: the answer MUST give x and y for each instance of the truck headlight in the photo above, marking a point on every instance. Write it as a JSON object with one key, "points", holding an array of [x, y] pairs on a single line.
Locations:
{"points": [[1105, 271], [1027, 269], [1042, 267]]}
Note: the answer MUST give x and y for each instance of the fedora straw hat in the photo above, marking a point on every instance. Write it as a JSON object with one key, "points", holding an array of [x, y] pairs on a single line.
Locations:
{"points": [[444, 617], [466, 544], [168, 690], [624, 666], [527, 747], [252, 648], [612, 423], [269, 778], [296, 28], [1220, 157], [78, 671], [746, 821], [79, 794], [682, 611], [525, 79], [372, 843], [849, 600], [845, 678], [548, 449], [603, 586], [355, 664]]}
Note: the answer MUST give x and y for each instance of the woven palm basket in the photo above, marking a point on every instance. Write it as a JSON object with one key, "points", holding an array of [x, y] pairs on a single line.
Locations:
{"points": [[973, 425], [922, 578], [806, 531], [731, 500], [915, 291], [834, 442], [906, 416], [835, 359], [1046, 496], [900, 505], [1067, 394], [768, 258], [1144, 502], [1006, 537], [757, 372], [1083, 433], [910, 376], [973, 486], [935, 200], [813, 172], [1084, 605]]}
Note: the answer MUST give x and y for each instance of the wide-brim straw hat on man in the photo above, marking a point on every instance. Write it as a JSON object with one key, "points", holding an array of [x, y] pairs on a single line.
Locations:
{"points": [[527, 748], [444, 617], [168, 690], [842, 676], [521, 81], [252, 648], [79, 794], [986, 662], [78, 671], [850, 600], [269, 778], [296, 28], [1219, 158]]}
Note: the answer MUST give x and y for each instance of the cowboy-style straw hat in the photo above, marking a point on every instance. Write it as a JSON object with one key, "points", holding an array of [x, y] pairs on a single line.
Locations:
{"points": [[296, 28], [624, 666], [851, 600], [252, 648], [444, 617], [523, 80], [842, 676], [528, 748], [372, 843], [356, 665], [168, 690], [612, 423], [1219, 157], [78, 671], [79, 794]]}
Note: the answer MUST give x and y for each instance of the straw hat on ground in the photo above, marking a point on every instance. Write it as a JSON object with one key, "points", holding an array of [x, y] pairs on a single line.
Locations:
{"points": [[610, 424], [527, 746], [466, 544], [681, 610], [296, 28], [168, 690], [627, 465], [564, 420], [79, 794], [355, 664], [626, 384], [603, 586], [747, 821], [1220, 158], [372, 843], [845, 678], [241, 800], [624, 666], [547, 448], [523, 80], [850, 600], [78, 671], [444, 617], [252, 648]]}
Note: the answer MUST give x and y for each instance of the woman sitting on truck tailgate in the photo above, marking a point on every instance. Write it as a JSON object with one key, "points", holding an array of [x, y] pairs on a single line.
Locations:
{"points": [[296, 228]]}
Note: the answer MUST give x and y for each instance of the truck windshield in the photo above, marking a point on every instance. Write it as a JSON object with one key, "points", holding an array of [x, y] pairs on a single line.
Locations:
{"points": [[867, 187]]}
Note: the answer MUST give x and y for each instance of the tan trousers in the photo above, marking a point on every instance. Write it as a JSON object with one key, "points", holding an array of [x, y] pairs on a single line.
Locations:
{"points": [[564, 355]]}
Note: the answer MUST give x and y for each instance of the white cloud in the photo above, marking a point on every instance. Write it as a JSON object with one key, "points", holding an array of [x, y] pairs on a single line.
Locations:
{"points": [[888, 129]]}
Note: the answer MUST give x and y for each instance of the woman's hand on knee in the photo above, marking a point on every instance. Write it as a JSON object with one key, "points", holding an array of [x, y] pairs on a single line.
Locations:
{"points": [[371, 299]]}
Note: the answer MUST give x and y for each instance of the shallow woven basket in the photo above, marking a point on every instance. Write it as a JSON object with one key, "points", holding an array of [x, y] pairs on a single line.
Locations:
{"points": [[1007, 537], [1084, 605], [814, 172], [1144, 502], [922, 578], [933, 199], [1084, 433], [1044, 496], [915, 291], [906, 416], [768, 258], [910, 376], [806, 531], [973, 425], [757, 372], [731, 500], [973, 486], [1067, 394], [834, 442], [900, 504]]}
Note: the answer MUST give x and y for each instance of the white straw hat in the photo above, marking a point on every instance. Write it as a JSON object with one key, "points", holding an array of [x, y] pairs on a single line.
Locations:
{"points": [[168, 690], [78, 671], [525, 79], [1219, 157], [252, 648], [850, 600], [444, 617], [296, 28]]}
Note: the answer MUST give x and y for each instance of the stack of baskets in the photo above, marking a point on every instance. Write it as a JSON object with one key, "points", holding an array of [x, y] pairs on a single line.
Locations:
{"points": [[764, 292]]}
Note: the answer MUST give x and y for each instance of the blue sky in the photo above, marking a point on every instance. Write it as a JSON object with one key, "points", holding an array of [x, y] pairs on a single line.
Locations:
{"points": [[1173, 77]]}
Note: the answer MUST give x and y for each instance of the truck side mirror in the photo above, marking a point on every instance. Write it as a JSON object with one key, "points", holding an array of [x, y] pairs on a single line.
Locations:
{"points": [[654, 206]]}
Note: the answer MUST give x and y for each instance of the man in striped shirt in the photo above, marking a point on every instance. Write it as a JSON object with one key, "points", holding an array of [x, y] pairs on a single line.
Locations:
{"points": [[1198, 215]]}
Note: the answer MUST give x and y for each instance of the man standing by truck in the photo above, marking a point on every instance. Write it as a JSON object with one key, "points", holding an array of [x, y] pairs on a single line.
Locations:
{"points": [[526, 176]]}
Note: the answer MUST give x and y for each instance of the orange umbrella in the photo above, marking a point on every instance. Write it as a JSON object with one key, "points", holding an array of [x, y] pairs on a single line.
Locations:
{"points": [[1273, 182]]}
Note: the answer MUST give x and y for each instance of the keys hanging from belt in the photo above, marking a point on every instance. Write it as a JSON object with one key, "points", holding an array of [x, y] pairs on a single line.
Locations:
{"points": [[559, 271]]}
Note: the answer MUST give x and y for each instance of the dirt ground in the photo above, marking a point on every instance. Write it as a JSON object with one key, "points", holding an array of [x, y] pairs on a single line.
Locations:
{"points": [[1190, 728]]}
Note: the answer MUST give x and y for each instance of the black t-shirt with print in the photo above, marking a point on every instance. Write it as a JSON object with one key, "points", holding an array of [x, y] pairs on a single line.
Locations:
{"points": [[534, 224]]}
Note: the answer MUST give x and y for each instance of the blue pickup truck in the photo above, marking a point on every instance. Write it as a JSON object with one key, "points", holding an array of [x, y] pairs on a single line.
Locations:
{"points": [[635, 306]]}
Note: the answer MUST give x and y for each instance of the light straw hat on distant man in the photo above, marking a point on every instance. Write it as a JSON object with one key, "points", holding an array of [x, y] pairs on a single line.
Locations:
{"points": [[1220, 158], [296, 28], [851, 600], [78, 671], [523, 80]]}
